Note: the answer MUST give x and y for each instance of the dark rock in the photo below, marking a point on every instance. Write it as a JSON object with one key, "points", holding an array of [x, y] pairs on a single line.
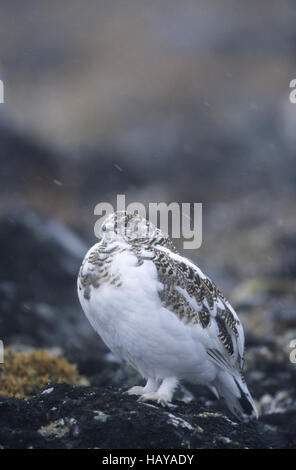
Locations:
{"points": [[40, 259], [286, 243], [89, 417], [26, 163], [65, 416], [279, 429]]}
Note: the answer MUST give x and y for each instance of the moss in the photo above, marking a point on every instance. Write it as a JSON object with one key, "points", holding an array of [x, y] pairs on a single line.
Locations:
{"points": [[26, 373]]}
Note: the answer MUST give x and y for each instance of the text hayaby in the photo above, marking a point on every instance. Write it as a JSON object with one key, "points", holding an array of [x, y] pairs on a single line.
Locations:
{"points": [[160, 459]]}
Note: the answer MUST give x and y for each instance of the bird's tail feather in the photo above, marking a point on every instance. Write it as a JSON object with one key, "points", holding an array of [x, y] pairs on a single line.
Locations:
{"points": [[236, 395]]}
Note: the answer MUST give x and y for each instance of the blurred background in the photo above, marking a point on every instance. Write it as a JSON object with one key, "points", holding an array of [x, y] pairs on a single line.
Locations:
{"points": [[161, 101]]}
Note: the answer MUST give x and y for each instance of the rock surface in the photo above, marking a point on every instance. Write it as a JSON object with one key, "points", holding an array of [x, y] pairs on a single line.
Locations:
{"points": [[69, 417]]}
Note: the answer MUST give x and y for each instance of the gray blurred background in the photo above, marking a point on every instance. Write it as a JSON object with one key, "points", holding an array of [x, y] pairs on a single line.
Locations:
{"points": [[162, 101]]}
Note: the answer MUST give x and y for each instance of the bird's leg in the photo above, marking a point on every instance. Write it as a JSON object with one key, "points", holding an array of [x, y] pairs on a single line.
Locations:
{"points": [[151, 386], [165, 392]]}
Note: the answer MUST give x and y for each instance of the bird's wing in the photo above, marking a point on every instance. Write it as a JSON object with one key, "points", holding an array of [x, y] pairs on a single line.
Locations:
{"points": [[196, 300]]}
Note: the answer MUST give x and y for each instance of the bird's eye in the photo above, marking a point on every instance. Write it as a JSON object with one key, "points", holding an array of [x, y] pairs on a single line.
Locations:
{"points": [[104, 228]]}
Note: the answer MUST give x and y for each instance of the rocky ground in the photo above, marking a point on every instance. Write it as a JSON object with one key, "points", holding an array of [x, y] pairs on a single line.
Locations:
{"points": [[63, 416], [67, 416]]}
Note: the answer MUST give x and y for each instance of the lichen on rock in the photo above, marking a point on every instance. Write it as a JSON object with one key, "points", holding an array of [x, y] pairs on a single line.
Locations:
{"points": [[26, 373]]}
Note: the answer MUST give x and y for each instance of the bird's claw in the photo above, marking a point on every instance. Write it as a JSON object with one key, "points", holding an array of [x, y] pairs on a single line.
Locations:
{"points": [[135, 390], [163, 400]]}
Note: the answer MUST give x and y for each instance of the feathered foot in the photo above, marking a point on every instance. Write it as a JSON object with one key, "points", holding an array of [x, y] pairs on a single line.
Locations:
{"points": [[164, 394], [150, 387]]}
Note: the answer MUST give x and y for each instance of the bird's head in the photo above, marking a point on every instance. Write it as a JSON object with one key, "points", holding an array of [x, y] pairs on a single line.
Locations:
{"points": [[128, 226]]}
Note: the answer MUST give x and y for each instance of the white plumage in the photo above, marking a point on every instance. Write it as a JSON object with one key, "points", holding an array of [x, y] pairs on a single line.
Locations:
{"points": [[156, 310]]}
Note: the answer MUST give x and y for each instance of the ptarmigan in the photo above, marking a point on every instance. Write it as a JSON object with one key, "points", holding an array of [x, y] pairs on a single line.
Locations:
{"points": [[156, 310]]}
